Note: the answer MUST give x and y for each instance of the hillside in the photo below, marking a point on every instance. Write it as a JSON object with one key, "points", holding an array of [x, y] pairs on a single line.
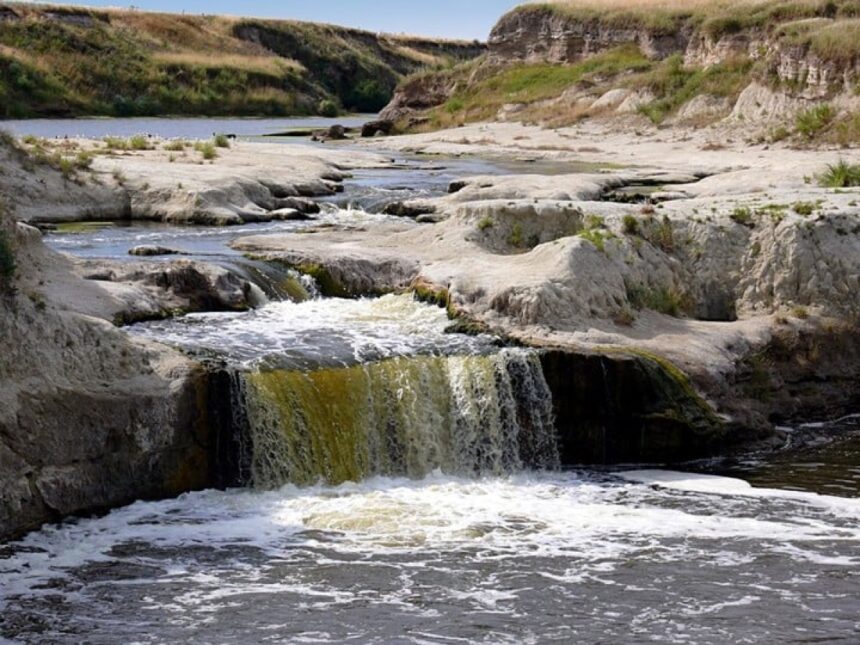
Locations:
{"points": [[788, 68], [63, 61]]}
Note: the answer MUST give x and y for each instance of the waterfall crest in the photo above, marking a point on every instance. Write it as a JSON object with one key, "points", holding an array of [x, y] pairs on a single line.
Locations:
{"points": [[478, 414]]}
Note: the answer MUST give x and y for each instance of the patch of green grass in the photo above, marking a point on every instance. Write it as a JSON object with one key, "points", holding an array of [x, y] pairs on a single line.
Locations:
{"points": [[597, 237], [664, 300], [515, 238], [661, 234], [221, 141], [804, 208], [742, 215], [485, 222], [139, 142], [206, 149], [840, 175], [674, 84], [630, 225], [813, 121], [529, 83]]}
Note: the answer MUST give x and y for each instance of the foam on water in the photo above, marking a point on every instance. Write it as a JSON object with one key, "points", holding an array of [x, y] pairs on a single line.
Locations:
{"points": [[318, 332], [699, 483], [655, 560]]}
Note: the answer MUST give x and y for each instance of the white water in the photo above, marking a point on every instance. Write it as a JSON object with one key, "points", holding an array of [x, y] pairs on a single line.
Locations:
{"points": [[522, 558], [318, 332]]}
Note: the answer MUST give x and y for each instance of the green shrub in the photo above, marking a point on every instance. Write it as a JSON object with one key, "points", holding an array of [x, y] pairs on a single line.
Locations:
{"points": [[115, 143], [811, 122], [840, 175], [631, 225], [516, 237], [662, 235], [139, 142], [328, 108], [597, 237], [207, 150], [803, 208], [742, 215], [221, 141], [594, 221], [664, 300], [485, 222]]}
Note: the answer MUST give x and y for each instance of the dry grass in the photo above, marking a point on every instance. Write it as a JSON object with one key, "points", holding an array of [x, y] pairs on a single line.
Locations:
{"points": [[717, 17], [270, 65]]}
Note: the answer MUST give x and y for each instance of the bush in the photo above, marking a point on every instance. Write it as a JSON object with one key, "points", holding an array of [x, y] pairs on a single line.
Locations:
{"points": [[597, 237], [803, 208], [221, 141], [139, 142], [207, 150], [840, 175], [812, 121], [115, 143], [328, 108]]}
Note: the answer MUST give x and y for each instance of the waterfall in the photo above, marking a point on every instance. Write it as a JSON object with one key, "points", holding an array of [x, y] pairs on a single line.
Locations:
{"points": [[478, 414]]}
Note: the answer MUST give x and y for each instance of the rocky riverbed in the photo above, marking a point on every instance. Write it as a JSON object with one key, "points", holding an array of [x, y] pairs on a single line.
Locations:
{"points": [[713, 292]]}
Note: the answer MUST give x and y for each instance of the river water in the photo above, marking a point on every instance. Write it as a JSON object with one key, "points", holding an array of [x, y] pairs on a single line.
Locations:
{"points": [[402, 486]]}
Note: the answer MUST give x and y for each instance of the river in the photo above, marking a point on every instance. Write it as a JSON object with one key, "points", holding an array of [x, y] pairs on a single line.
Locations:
{"points": [[401, 485]]}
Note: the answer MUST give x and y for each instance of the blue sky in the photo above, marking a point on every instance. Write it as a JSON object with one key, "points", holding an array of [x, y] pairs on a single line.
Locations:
{"points": [[449, 18]]}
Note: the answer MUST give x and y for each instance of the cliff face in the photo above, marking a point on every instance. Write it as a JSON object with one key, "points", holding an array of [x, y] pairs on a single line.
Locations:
{"points": [[545, 35], [559, 62], [62, 61]]}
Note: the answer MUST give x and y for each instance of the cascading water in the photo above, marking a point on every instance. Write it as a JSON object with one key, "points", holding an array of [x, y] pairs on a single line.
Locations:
{"points": [[484, 414]]}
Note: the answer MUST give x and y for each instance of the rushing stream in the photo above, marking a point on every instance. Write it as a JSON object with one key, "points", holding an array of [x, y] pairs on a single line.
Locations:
{"points": [[403, 485]]}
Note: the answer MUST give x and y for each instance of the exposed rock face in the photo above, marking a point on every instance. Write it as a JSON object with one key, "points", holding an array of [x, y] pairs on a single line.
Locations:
{"points": [[426, 91], [89, 419], [544, 35], [629, 408], [155, 290]]}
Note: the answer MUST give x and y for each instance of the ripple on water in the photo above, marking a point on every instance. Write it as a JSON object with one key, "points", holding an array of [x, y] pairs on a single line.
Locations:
{"points": [[531, 556]]}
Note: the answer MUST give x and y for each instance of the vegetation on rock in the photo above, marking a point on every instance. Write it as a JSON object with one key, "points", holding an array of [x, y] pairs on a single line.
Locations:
{"points": [[841, 175]]}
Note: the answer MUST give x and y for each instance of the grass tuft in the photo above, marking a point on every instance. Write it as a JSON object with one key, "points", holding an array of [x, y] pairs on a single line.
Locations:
{"points": [[840, 175]]}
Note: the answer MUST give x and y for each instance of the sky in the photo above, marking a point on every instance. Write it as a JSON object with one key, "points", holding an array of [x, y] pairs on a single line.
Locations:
{"points": [[467, 19]]}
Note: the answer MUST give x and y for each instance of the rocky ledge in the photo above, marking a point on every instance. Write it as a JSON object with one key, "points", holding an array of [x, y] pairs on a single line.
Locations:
{"points": [[170, 181], [737, 271]]}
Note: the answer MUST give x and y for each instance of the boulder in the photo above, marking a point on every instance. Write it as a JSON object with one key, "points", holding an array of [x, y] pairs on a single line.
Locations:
{"points": [[373, 128], [149, 250]]}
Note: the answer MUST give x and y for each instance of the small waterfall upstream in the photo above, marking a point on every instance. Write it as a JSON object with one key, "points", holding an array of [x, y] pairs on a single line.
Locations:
{"points": [[410, 416]]}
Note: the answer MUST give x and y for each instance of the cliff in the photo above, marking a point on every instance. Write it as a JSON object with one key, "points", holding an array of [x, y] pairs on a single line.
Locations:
{"points": [[62, 61], [696, 63]]}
